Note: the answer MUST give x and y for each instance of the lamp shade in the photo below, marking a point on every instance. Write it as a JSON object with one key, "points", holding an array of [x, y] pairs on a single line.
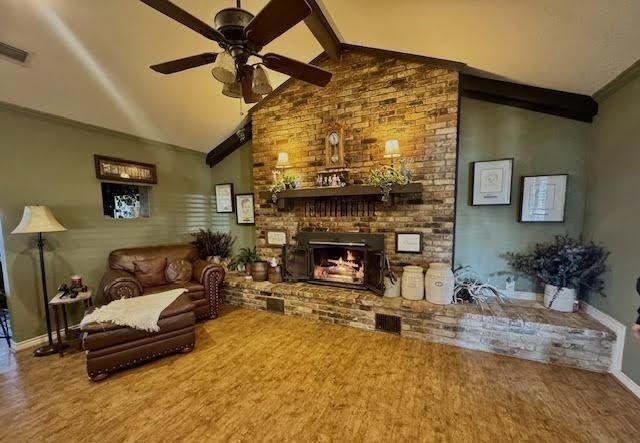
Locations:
{"points": [[37, 219], [283, 160], [224, 68], [232, 90], [391, 149], [261, 84]]}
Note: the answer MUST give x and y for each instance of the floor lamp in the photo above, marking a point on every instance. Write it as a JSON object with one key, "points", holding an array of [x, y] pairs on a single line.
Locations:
{"points": [[37, 220]]}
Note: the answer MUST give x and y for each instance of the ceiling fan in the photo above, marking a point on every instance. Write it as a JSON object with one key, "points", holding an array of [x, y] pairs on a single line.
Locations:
{"points": [[242, 35]]}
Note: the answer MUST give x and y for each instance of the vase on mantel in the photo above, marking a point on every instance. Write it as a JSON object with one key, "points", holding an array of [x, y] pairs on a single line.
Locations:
{"points": [[559, 299]]}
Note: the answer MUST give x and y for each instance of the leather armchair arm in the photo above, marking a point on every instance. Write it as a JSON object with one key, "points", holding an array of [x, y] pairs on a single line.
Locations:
{"points": [[117, 284], [211, 277]]}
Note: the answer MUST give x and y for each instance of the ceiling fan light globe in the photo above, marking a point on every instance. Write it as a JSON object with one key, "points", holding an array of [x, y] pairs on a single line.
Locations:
{"points": [[261, 84], [224, 68], [233, 90]]}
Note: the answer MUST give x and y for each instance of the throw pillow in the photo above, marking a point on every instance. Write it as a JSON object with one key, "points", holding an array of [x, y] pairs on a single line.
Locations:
{"points": [[179, 272], [150, 272]]}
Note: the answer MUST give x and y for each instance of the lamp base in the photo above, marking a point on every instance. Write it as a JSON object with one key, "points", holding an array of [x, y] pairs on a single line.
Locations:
{"points": [[46, 350]]}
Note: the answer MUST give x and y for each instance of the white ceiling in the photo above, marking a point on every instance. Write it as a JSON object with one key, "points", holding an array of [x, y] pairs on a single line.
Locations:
{"points": [[570, 45], [90, 62], [90, 58]]}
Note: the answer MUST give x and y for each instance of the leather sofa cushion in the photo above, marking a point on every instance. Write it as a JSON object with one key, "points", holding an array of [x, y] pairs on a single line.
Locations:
{"points": [[195, 290], [178, 271], [123, 259], [150, 272]]}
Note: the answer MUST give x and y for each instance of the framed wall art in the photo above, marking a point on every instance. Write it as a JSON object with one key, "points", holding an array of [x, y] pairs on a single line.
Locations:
{"points": [[276, 238], [410, 242], [245, 214], [117, 169], [543, 198], [491, 182], [224, 198]]}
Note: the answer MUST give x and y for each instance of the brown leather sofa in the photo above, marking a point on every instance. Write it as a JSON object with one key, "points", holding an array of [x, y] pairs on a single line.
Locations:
{"points": [[110, 347], [203, 288]]}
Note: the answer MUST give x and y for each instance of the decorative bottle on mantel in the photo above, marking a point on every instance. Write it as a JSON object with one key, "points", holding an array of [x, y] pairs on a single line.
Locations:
{"points": [[413, 283], [440, 283]]}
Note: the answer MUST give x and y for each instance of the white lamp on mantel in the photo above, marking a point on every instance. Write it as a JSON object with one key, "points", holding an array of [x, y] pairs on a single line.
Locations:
{"points": [[391, 150], [37, 220], [283, 160]]}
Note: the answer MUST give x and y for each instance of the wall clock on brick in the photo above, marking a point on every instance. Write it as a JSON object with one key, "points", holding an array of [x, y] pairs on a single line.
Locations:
{"points": [[334, 147]]}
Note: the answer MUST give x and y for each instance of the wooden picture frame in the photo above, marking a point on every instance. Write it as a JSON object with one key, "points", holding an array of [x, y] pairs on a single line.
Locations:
{"points": [[334, 153], [409, 242], [120, 170], [490, 182], [548, 203], [276, 238], [224, 198], [245, 209]]}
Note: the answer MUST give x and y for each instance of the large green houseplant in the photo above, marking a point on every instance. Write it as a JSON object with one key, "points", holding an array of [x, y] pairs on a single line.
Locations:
{"points": [[568, 267]]}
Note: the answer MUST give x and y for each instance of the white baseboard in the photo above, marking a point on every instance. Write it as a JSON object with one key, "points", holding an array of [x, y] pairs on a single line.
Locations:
{"points": [[35, 341], [621, 331], [522, 295]]}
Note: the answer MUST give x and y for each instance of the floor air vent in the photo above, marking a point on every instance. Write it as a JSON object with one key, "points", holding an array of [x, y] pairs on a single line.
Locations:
{"points": [[388, 323], [13, 53], [275, 305]]}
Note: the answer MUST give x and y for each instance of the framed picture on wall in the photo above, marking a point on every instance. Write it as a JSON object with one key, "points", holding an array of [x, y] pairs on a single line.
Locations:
{"points": [[245, 214], [491, 182], [543, 198], [276, 238], [410, 242], [224, 198]]}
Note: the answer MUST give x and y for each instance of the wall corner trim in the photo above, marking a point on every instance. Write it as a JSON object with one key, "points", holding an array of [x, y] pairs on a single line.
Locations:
{"points": [[621, 331], [618, 82]]}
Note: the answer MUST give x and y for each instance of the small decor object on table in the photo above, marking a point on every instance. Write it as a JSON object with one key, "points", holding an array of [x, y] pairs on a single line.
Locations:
{"points": [[224, 198], [67, 295], [276, 238], [245, 209], [543, 198], [275, 272], [117, 169], [567, 267], [214, 246], [491, 182], [409, 242]]}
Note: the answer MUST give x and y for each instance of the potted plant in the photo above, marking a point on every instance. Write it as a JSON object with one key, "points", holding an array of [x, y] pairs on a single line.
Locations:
{"points": [[568, 267], [215, 246], [385, 177], [249, 261], [282, 182]]}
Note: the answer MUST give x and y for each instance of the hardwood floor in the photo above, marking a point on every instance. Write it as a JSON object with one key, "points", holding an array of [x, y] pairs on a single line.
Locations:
{"points": [[256, 376]]}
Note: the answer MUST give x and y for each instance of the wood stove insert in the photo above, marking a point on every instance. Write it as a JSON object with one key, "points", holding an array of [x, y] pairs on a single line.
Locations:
{"points": [[347, 260]]}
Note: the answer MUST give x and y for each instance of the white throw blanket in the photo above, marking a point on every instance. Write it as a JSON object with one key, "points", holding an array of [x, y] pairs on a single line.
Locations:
{"points": [[138, 312]]}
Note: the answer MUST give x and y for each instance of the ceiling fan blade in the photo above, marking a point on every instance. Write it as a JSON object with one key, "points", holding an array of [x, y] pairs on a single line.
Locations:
{"points": [[277, 17], [185, 63], [294, 68], [247, 86], [182, 16]]}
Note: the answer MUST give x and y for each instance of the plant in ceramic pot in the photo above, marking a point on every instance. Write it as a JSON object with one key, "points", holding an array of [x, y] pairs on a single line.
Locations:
{"points": [[385, 177], [215, 246], [244, 260], [568, 267], [283, 182]]}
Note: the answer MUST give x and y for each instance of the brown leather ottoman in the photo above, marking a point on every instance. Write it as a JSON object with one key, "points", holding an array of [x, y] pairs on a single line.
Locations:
{"points": [[110, 347]]}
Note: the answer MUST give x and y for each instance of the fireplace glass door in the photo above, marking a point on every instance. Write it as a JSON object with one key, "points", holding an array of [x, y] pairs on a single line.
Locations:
{"points": [[339, 265]]}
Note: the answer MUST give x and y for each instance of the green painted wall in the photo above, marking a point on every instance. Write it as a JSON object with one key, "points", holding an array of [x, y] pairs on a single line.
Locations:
{"points": [[539, 144], [613, 208], [47, 160], [236, 168]]}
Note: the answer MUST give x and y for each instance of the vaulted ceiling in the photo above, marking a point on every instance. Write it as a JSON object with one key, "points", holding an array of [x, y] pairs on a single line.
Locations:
{"points": [[90, 59]]}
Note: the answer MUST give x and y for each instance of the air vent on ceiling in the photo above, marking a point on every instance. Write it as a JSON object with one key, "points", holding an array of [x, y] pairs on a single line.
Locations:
{"points": [[388, 323], [13, 53], [275, 305]]}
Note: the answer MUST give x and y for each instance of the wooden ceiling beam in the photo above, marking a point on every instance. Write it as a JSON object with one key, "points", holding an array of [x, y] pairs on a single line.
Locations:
{"points": [[322, 30], [237, 139]]}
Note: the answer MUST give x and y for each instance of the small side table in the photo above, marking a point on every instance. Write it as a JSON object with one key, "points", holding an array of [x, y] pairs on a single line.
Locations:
{"points": [[59, 303]]}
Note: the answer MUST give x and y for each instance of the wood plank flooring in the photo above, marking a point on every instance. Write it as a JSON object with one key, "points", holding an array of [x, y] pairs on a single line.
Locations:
{"points": [[256, 376]]}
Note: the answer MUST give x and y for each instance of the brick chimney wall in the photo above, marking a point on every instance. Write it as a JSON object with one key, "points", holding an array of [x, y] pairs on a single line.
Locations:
{"points": [[375, 99]]}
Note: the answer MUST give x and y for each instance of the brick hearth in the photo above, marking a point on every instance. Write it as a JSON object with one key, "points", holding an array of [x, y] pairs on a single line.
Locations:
{"points": [[520, 329]]}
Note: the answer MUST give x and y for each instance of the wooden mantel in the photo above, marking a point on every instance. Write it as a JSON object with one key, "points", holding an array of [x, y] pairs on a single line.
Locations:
{"points": [[346, 191]]}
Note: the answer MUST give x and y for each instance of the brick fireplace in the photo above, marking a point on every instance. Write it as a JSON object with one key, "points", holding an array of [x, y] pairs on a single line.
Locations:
{"points": [[374, 99]]}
